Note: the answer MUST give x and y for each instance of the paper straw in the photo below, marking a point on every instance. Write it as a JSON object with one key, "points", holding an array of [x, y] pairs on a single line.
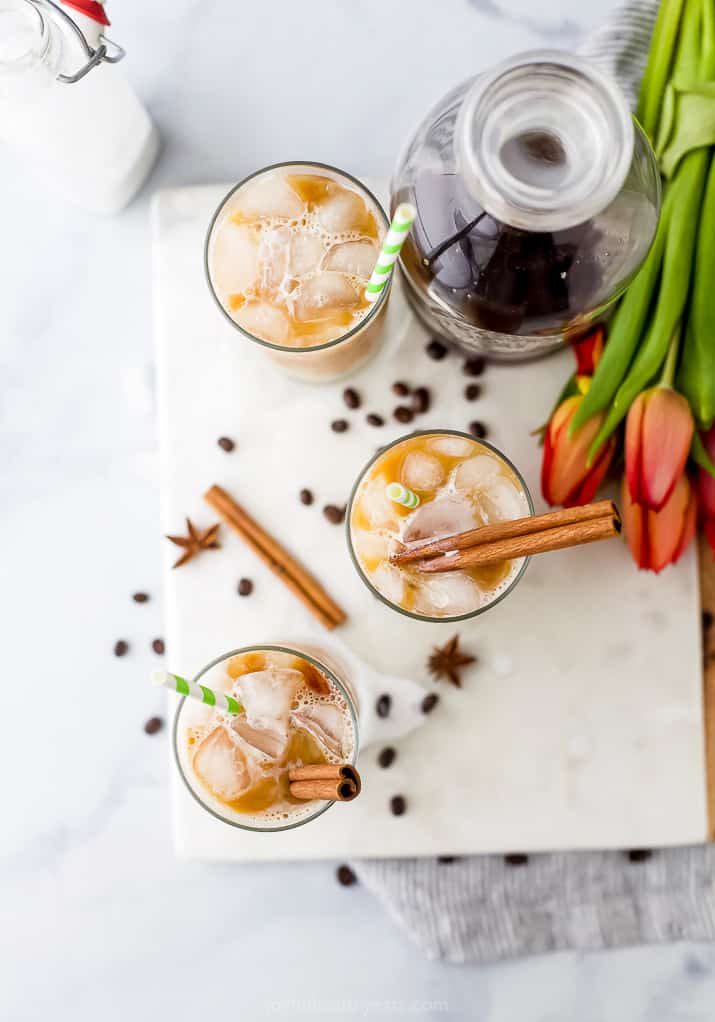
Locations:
{"points": [[394, 240], [175, 683], [400, 494]]}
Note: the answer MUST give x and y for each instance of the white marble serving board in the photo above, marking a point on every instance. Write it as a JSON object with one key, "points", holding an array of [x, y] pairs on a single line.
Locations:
{"points": [[581, 726]]}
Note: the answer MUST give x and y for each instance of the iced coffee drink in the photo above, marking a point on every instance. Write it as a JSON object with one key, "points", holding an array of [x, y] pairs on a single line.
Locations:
{"points": [[424, 487], [295, 711], [288, 255]]}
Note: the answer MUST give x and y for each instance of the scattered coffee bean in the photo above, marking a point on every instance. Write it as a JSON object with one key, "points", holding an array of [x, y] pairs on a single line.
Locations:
{"points": [[436, 350], [306, 497], [226, 444], [472, 391], [473, 366], [351, 397], [339, 425], [429, 702], [334, 514], [639, 854], [400, 389], [478, 429], [403, 414], [158, 646], [345, 876], [375, 420], [382, 706], [153, 725], [245, 587], [387, 757], [421, 400], [707, 619], [121, 648], [516, 859], [140, 597], [398, 805], [445, 860]]}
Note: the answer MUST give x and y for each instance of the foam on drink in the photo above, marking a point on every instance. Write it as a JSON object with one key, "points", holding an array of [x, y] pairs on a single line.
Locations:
{"points": [[290, 254], [294, 715], [462, 484]]}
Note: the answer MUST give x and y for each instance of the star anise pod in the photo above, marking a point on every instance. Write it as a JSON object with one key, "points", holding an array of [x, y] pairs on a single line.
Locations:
{"points": [[446, 661], [194, 542]]}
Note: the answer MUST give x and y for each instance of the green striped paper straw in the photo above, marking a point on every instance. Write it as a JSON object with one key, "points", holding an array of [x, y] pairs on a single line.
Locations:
{"points": [[394, 239], [175, 683], [400, 494]]}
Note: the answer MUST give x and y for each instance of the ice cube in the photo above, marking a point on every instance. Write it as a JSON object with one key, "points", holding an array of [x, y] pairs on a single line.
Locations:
{"points": [[325, 723], [340, 211], [324, 294], [267, 197], [266, 696], [372, 546], [355, 257], [273, 258], [377, 506], [503, 502], [388, 581], [270, 742], [306, 251], [452, 446], [234, 259], [265, 321], [477, 473], [445, 516], [447, 595], [221, 765], [422, 471]]}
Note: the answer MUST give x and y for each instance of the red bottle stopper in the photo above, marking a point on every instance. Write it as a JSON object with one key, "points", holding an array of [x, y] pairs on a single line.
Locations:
{"points": [[90, 8]]}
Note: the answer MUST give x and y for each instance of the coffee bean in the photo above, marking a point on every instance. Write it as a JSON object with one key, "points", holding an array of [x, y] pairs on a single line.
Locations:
{"points": [[472, 391], [140, 597], [387, 757], [339, 425], [639, 854], [335, 515], [473, 366], [446, 860], [121, 648], [158, 646], [306, 497], [516, 859], [398, 805], [345, 876], [382, 706], [375, 420], [226, 444], [400, 389], [421, 400], [403, 414], [478, 429], [153, 725], [429, 702], [351, 397], [707, 619], [436, 350], [245, 587]]}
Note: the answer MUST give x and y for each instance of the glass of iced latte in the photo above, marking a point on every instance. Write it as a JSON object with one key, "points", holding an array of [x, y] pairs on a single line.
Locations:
{"points": [[424, 487], [288, 254], [298, 709]]}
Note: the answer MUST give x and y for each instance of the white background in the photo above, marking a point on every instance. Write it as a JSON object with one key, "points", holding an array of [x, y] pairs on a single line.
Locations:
{"points": [[97, 920]]}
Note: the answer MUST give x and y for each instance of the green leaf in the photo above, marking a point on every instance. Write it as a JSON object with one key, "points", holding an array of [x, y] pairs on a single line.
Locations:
{"points": [[660, 56]]}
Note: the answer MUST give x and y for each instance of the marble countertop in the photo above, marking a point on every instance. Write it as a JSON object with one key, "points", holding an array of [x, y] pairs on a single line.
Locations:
{"points": [[98, 920]]}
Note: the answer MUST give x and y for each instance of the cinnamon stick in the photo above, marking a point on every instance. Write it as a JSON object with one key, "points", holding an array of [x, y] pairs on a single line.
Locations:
{"points": [[506, 530], [575, 534], [293, 575], [338, 790], [326, 771]]}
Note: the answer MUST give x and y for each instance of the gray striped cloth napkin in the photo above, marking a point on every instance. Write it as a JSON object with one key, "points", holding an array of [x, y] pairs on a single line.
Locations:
{"points": [[483, 908]]}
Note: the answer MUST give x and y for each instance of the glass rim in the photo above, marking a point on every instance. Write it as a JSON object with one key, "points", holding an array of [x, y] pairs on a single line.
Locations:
{"points": [[286, 349], [40, 48], [260, 648], [348, 520]]}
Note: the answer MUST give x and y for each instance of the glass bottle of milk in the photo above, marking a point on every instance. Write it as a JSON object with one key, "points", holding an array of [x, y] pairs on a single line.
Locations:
{"points": [[65, 109]]}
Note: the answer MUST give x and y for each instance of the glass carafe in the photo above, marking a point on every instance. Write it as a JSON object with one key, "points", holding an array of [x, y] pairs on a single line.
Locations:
{"points": [[537, 199]]}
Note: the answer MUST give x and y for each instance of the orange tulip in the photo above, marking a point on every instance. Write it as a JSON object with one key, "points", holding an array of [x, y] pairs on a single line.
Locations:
{"points": [[566, 477], [658, 538], [659, 431], [706, 491]]}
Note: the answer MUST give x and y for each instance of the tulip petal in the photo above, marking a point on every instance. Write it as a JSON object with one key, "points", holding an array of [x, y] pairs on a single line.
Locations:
{"points": [[588, 351], [666, 435], [597, 473], [569, 468], [633, 444], [689, 525], [668, 528], [633, 517]]}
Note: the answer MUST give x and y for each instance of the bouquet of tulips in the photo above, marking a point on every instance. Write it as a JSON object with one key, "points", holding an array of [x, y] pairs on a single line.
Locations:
{"points": [[657, 370]]}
